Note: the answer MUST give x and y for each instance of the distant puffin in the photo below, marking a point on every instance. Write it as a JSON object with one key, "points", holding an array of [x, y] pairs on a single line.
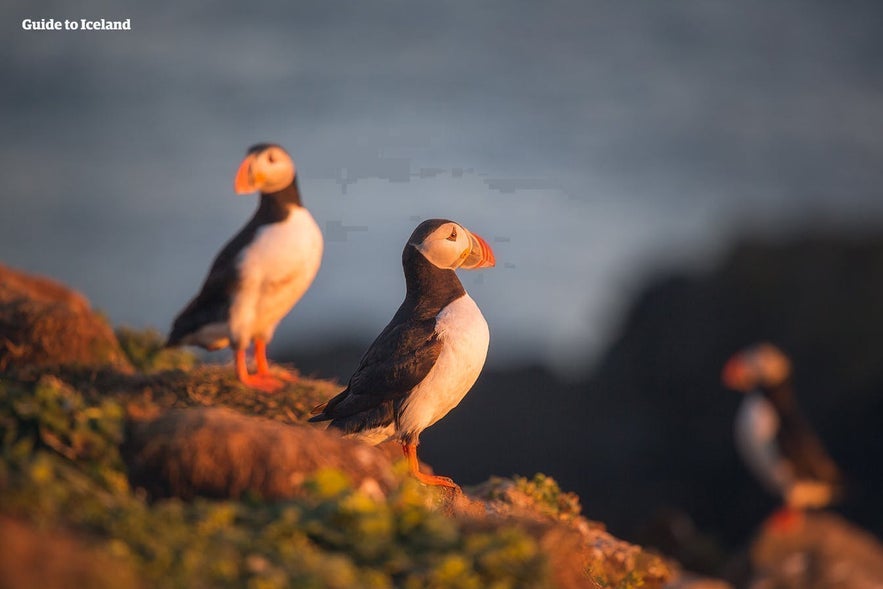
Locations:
{"points": [[773, 437], [428, 357], [259, 274]]}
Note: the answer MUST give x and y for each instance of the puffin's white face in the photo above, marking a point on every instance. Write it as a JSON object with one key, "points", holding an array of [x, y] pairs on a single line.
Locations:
{"points": [[760, 365], [451, 246], [268, 170]]}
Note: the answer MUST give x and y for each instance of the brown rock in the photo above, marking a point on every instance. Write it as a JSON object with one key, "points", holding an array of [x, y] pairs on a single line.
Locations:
{"points": [[823, 552], [581, 554], [31, 558], [220, 453], [43, 323]]}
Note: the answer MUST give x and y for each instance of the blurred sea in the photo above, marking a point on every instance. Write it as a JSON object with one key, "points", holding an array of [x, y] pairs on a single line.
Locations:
{"points": [[591, 143]]}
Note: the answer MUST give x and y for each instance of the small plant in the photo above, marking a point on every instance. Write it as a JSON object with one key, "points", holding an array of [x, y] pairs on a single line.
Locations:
{"points": [[145, 349], [549, 497], [541, 494]]}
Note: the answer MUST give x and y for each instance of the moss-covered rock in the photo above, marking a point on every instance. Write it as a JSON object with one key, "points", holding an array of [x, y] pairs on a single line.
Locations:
{"points": [[145, 349], [62, 469], [540, 496], [114, 466]]}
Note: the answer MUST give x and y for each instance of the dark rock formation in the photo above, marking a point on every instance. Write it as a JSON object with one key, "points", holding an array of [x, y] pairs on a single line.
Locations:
{"points": [[659, 385]]}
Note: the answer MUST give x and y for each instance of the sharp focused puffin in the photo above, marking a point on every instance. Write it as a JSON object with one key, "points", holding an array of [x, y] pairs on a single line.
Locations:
{"points": [[428, 357], [259, 274], [773, 437]]}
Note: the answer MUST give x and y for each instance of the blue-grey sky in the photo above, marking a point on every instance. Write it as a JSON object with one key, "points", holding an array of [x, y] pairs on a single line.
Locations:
{"points": [[591, 143]]}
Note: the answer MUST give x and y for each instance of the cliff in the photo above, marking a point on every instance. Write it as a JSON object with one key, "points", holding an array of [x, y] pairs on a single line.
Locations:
{"points": [[128, 465]]}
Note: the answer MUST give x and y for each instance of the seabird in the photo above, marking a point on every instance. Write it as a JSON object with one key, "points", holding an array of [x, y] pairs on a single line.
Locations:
{"points": [[260, 274], [772, 435], [429, 355]]}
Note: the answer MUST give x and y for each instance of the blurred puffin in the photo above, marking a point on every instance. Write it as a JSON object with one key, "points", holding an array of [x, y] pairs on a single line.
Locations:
{"points": [[429, 355], [773, 437], [259, 274]]}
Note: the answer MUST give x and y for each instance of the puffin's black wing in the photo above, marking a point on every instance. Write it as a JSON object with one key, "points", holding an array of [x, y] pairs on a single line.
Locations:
{"points": [[397, 361], [805, 451], [212, 304]]}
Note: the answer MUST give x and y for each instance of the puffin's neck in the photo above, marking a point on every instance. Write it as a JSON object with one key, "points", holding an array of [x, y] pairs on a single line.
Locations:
{"points": [[275, 206], [782, 396], [429, 288]]}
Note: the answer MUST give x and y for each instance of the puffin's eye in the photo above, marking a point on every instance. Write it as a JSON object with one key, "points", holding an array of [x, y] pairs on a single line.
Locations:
{"points": [[453, 235]]}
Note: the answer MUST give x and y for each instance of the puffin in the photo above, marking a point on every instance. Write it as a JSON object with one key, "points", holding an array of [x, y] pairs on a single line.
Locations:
{"points": [[260, 274], [773, 437], [429, 355]]}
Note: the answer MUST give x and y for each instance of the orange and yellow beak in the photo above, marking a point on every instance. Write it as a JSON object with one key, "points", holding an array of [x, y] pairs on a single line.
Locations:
{"points": [[480, 255], [247, 180], [737, 375]]}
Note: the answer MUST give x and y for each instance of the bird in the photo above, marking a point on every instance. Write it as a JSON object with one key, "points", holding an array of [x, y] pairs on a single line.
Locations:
{"points": [[429, 355], [775, 440], [260, 274]]}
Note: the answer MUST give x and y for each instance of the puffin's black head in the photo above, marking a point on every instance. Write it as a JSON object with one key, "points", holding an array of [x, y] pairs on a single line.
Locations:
{"points": [[759, 366], [267, 168], [449, 245]]}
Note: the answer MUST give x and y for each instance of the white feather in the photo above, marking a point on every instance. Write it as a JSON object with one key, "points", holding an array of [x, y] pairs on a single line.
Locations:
{"points": [[276, 270], [756, 427], [465, 337]]}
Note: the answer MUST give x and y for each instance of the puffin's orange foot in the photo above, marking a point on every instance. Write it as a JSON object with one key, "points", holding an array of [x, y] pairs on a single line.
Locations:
{"points": [[262, 382], [410, 451], [437, 481]]}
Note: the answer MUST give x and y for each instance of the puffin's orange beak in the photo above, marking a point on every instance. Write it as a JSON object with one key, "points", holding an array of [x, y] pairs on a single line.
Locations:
{"points": [[736, 375], [480, 256], [245, 182]]}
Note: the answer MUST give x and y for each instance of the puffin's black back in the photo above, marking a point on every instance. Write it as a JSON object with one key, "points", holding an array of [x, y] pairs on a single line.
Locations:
{"points": [[798, 441]]}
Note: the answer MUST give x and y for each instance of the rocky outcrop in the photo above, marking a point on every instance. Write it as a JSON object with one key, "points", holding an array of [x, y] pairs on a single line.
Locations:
{"points": [[44, 323], [87, 439], [823, 552], [220, 453], [32, 557]]}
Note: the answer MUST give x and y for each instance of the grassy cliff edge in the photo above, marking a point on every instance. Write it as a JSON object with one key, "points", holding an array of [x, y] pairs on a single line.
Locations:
{"points": [[146, 468]]}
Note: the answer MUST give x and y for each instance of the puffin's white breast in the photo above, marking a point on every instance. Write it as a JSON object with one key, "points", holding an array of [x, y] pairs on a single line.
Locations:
{"points": [[464, 334], [276, 269], [757, 424]]}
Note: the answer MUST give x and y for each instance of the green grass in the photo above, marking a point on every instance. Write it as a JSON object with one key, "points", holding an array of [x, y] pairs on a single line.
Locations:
{"points": [[62, 474], [61, 469], [145, 350]]}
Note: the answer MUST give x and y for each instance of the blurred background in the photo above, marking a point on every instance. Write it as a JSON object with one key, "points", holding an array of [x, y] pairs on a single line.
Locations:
{"points": [[662, 184]]}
